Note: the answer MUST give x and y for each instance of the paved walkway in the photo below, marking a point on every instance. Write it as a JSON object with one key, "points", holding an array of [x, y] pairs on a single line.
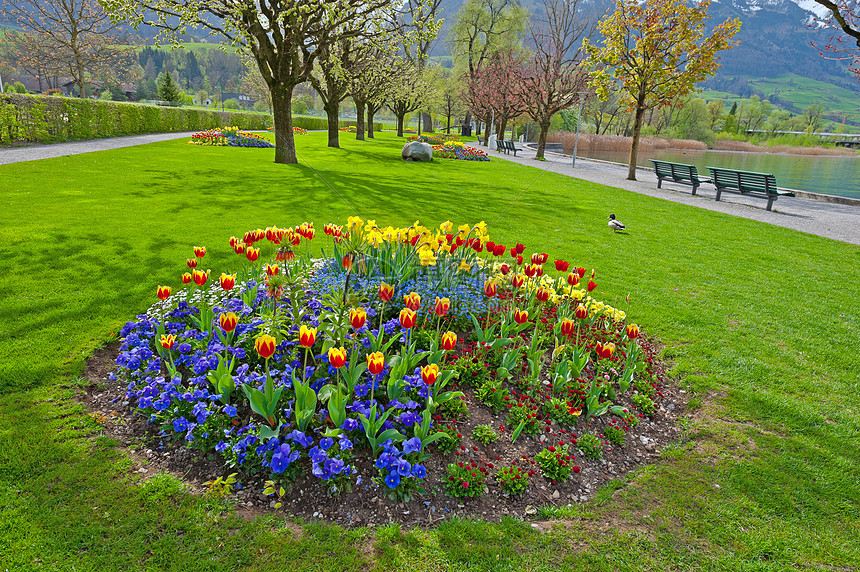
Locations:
{"points": [[836, 221], [36, 152]]}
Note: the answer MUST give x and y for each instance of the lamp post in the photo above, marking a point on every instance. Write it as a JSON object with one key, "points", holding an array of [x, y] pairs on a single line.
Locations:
{"points": [[578, 121]]}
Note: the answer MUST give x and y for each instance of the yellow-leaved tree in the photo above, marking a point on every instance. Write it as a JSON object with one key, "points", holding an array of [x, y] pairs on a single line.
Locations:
{"points": [[655, 52]]}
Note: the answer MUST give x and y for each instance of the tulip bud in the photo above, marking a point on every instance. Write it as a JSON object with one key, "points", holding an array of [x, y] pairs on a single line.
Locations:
{"points": [[307, 336], [163, 292], [632, 331], [265, 346], [517, 280], [490, 289], [199, 251], [191, 262], [581, 312], [591, 285], [573, 279], [448, 341], [375, 363], [252, 254], [543, 294], [567, 326], [412, 301], [441, 307], [521, 316], [357, 317], [337, 357], [186, 278], [228, 321], [272, 270]]}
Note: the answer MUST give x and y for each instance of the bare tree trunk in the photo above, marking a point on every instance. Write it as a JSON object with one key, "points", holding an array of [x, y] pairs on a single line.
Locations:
{"points": [[370, 113], [637, 129], [544, 131], [427, 122], [503, 125], [331, 112], [285, 145], [359, 121], [400, 124], [487, 131]]}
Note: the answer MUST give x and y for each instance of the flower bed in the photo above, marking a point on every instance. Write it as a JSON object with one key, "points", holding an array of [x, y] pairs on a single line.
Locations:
{"points": [[229, 137], [457, 150], [362, 370]]}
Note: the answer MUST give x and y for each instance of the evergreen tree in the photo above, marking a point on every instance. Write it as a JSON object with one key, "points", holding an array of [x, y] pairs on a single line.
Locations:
{"points": [[167, 89]]}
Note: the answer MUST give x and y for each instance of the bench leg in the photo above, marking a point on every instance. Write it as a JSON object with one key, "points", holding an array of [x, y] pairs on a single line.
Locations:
{"points": [[515, 152], [694, 189], [659, 182], [769, 202], [719, 192]]}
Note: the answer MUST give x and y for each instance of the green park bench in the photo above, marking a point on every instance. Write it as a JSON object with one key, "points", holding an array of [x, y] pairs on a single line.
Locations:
{"points": [[747, 183], [510, 147], [678, 173]]}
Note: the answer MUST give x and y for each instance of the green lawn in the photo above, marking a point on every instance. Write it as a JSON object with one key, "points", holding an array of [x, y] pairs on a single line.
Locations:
{"points": [[761, 324]]}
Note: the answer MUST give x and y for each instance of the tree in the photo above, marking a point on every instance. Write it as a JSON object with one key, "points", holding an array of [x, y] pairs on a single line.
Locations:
{"points": [[408, 91], [284, 38], [167, 89], [497, 90], [812, 117], [554, 78], [79, 35], [655, 52], [451, 103], [716, 109], [368, 83], [845, 17], [482, 28], [255, 86]]}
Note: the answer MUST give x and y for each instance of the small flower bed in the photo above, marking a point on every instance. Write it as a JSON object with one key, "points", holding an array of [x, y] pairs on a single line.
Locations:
{"points": [[458, 150], [229, 137], [356, 368], [299, 131], [349, 129]]}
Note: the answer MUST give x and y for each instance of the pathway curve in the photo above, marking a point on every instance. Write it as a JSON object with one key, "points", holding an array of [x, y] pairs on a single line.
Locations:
{"points": [[830, 220], [36, 152]]}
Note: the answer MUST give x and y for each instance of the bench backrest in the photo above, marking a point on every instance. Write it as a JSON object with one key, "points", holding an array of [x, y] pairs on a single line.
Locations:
{"points": [[676, 171], [744, 180]]}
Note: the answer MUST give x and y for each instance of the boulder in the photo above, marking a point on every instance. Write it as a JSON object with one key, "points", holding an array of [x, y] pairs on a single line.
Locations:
{"points": [[417, 151]]}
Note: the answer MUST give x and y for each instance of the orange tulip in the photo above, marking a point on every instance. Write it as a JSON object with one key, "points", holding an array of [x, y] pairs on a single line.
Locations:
{"points": [[337, 357], [265, 346], [163, 292], [186, 278], [228, 321], [442, 305], [490, 289], [386, 292], [567, 326], [412, 301], [581, 312], [307, 336], [407, 318], [357, 317], [632, 331], [200, 277], [521, 316], [199, 251], [430, 373], [228, 281], [449, 340], [168, 341], [375, 363], [347, 262]]}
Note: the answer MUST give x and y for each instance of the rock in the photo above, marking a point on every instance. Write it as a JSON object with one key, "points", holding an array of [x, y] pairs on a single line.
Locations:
{"points": [[555, 495], [417, 151]]}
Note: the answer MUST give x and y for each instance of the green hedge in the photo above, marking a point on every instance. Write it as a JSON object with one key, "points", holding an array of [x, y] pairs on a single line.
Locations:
{"points": [[49, 119], [321, 123]]}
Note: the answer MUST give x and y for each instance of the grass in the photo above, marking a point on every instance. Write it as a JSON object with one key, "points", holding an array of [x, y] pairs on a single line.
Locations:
{"points": [[761, 323]]}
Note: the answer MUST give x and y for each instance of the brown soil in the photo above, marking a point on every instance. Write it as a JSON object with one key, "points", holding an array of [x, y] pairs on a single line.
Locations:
{"points": [[365, 505]]}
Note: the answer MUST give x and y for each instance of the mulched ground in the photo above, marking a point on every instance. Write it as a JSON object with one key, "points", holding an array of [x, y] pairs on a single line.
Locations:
{"points": [[365, 504]]}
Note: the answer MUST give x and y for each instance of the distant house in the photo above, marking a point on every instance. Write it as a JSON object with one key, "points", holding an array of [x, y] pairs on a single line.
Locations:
{"points": [[245, 101], [95, 87]]}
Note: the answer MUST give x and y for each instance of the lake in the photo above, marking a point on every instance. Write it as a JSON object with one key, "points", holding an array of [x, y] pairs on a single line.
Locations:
{"points": [[828, 175]]}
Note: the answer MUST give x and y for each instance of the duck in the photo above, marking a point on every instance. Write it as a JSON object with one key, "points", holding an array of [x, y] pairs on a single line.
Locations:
{"points": [[615, 224]]}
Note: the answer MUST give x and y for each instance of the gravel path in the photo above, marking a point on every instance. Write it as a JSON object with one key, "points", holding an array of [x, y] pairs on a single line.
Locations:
{"points": [[830, 220], [36, 152]]}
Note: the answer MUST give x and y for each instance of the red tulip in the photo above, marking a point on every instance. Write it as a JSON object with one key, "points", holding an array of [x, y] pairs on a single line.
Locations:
{"points": [[449, 340], [375, 363], [265, 346], [442, 306], [605, 351], [561, 265], [490, 289], [412, 301], [191, 262], [517, 280], [337, 357], [199, 251], [543, 294], [163, 292], [504, 269], [591, 285], [536, 258], [632, 331], [581, 312], [581, 271], [573, 279], [357, 317], [228, 281], [531, 270], [168, 341], [307, 336], [252, 253], [521, 316], [567, 326], [200, 277], [239, 248], [386, 292], [186, 278], [408, 318], [430, 373], [228, 321]]}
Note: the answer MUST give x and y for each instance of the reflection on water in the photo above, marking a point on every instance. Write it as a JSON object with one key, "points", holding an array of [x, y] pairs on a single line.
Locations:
{"points": [[829, 175]]}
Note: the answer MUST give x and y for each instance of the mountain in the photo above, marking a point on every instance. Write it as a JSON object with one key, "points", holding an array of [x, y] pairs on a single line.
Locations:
{"points": [[774, 39]]}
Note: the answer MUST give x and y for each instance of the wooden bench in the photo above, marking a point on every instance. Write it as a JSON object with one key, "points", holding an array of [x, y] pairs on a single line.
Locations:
{"points": [[509, 146], [500, 146], [678, 173], [762, 185]]}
